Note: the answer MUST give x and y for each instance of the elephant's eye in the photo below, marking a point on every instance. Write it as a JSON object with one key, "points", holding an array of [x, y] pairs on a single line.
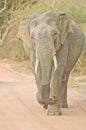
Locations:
{"points": [[50, 22], [33, 23]]}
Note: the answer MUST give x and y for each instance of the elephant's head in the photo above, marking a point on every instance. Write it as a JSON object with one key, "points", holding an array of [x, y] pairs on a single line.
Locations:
{"points": [[48, 32]]}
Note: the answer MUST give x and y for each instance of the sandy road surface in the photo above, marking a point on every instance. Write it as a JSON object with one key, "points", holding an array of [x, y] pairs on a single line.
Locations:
{"points": [[19, 109]]}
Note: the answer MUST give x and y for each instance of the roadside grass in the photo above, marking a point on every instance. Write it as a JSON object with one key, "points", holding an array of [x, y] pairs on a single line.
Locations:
{"points": [[77, 82]]}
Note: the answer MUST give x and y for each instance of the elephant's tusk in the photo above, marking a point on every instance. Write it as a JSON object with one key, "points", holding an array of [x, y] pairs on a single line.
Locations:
{"points": [[36, 65], [55, 63]]}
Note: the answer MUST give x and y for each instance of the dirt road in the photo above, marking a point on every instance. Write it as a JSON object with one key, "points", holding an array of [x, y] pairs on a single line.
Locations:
{"points": [[19, 109]]}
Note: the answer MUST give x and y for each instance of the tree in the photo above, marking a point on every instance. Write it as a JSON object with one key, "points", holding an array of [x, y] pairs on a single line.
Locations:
{"points": [[6, 9], [4, 6]]}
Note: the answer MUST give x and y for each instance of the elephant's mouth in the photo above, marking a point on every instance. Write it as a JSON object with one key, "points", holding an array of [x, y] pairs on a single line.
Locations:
{"points": [[44, 97]]}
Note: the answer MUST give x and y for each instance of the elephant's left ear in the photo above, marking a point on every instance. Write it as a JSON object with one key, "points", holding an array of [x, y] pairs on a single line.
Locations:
{"points": [[65, 26]]}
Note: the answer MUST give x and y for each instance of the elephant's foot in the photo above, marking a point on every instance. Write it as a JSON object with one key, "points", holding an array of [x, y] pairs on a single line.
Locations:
{"points": [[53, 110], [52, 101], [63, 104]]}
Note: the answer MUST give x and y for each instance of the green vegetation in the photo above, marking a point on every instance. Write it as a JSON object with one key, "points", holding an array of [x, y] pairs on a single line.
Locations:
{"points": [[13, 11]]}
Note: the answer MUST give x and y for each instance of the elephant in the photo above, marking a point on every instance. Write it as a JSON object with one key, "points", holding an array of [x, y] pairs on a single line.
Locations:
{"points": [[54, 43]]}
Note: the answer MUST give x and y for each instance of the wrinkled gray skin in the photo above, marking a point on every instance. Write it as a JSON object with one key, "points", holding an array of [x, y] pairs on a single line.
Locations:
{"points": [[45, 37]]}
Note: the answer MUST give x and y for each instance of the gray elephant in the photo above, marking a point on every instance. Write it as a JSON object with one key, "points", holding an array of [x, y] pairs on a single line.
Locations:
{"points": [[53, 43]]}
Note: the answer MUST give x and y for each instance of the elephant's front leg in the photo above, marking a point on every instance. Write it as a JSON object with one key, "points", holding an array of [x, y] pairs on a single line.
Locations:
{"points": [[55, 92], [64, 103]]}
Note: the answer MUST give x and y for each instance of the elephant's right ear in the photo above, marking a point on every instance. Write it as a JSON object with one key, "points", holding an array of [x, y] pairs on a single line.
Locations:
{"points": [[65, 26]]}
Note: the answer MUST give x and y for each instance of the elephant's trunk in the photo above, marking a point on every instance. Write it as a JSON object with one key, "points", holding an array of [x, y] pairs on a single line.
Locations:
{"points": [[46, 68], [45, 91]]}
